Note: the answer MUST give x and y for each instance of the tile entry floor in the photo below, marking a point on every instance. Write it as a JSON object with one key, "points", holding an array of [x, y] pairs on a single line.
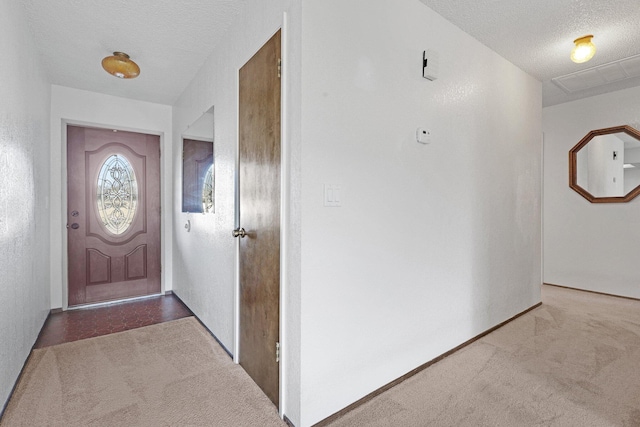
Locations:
{"points": [[91, 322]]}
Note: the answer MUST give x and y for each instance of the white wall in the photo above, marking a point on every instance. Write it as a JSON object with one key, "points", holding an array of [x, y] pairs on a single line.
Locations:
{"points": [[93, 109], [205, 258], [605, 176], [632, 175], [582, 168], [588, 246], [24, 194], [434, 243], [631, 179], [632, 155]]}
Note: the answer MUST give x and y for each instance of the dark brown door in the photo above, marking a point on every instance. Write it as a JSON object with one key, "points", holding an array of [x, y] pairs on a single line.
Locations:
{"points": [[113, 214], [259, 124]]}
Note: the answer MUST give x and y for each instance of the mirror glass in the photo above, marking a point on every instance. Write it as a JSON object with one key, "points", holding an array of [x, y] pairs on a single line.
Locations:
{"points": [[605, 165], [198, 177]]}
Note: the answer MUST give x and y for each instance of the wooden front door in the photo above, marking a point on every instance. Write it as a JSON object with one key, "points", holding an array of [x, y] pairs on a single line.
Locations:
{"points": [[259, 134], [113, 214]]}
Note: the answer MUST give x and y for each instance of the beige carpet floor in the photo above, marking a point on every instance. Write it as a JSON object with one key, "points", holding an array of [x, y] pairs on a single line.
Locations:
{"points": [[574, 361], [170, 374]]}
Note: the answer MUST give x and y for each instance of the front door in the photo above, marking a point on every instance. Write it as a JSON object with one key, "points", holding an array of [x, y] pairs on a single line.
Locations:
{"points": [[259, 134], [113, 214]]}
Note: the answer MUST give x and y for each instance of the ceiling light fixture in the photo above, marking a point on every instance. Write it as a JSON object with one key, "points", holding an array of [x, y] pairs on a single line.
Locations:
{"points": [[583, 50], [121, 66]]}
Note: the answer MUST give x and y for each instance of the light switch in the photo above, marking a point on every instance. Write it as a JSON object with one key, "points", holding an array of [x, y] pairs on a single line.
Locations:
{"points": [[332, 195]]}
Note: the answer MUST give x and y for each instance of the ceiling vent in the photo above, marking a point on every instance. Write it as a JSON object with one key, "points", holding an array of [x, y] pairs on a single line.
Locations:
{"points": [[601, 75]]}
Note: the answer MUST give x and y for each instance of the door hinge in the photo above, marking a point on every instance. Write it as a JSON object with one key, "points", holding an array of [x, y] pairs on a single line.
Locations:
{"points": [[277, 352], [279, 68]]}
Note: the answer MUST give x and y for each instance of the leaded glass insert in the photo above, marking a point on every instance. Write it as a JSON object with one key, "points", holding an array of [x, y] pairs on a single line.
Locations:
{"points": [[207, 191], [117, 194]]}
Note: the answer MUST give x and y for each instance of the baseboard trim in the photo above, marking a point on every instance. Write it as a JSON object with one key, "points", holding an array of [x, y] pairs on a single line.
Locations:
{"points": [[15, 385], [24, 365], [205, 326], [56, 310], [288, 421], [592, 292], [417, 370]]}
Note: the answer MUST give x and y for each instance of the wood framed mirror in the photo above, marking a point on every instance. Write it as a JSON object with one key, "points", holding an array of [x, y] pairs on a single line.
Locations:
{"points": [[604, 167]]}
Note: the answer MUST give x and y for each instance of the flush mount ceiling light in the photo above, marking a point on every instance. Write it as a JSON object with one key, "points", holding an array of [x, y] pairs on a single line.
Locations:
{"points": [[121, 66], [583, 50]]}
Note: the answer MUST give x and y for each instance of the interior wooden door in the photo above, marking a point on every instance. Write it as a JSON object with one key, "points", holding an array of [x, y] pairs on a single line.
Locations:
{"points": [[113, 214], [259, 135]]}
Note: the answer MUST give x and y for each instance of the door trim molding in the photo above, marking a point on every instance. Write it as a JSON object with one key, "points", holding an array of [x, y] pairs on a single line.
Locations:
{"points": [[284, 210]]}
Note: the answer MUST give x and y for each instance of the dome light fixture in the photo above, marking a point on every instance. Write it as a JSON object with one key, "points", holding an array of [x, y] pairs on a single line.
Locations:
{"points": [[584, 49], [121, 66]]}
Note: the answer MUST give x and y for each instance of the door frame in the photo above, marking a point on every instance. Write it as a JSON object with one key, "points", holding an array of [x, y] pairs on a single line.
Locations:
{"points": [[64, 201], [284, 209]]}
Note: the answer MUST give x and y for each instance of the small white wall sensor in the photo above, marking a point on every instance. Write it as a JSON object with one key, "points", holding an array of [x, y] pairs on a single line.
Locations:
{"points": [[430, 62], [423, 136]]}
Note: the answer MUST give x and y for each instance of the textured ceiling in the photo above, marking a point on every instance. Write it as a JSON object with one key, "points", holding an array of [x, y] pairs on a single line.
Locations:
{"points": [[537, 35], [169, 39]]}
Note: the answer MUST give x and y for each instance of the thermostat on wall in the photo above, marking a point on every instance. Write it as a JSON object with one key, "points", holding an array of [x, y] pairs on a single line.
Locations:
{"points": [[423, 135]]}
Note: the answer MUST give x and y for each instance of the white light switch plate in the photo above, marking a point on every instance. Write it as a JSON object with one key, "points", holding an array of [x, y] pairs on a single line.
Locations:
{"points": [[332, 195]]}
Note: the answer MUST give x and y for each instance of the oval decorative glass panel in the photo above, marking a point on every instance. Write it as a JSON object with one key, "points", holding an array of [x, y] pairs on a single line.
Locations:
{"points": [[207, 191], [117, 193]]}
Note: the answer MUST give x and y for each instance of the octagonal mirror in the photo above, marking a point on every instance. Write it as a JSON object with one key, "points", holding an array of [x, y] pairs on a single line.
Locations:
{"points": [[604, 167]]}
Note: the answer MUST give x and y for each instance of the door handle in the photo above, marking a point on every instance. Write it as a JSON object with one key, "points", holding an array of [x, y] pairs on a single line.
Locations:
{"points": [[75, 226], [239, 232]]}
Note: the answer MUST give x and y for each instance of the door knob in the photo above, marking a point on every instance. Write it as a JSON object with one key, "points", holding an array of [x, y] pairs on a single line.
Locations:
{"points": [[75, 225], [239, 232]]}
